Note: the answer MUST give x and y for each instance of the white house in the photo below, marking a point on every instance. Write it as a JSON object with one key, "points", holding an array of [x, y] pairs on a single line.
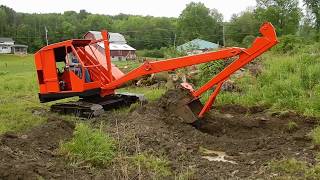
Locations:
{"points": [[7, 46], [119, 49]]}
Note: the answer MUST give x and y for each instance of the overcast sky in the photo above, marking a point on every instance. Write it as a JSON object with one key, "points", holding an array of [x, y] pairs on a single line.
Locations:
{"points": [[167, 8]]}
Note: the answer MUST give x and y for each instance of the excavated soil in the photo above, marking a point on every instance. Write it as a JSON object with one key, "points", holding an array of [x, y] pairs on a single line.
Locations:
{"points": [[33, 154], [248, 138]]}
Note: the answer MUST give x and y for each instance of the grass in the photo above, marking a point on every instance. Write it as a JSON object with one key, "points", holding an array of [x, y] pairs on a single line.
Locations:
{"points": [[287, 82], [292, 126], [150, 93], [157, 166], [89, 145], [289, 167], [18, 93], [127, 66], [315, 135], [294, 169]]}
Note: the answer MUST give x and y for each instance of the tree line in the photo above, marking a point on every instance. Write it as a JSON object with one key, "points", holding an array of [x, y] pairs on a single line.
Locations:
{"points": [[147, 32]]}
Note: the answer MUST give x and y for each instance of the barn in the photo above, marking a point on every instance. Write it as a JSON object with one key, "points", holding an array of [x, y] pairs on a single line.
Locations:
{"points": [[119, 49]]}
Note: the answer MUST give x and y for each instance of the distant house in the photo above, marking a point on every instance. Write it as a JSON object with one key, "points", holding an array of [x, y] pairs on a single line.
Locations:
{"points": [[8, 46], [197, 46], [119, 49]]}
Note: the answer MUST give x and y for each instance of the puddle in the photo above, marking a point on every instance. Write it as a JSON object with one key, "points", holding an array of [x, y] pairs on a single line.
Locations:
{"points": [[219, 156]]}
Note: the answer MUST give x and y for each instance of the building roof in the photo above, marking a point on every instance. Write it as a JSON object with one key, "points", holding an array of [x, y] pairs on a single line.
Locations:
{"points": [[20, 45], [114, 37], [4, 39], [115, 46], [198, 44]]}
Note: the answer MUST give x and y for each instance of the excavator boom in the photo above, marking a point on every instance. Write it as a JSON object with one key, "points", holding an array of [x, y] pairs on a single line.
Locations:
{"points": [[95, 78], [245, 56]]}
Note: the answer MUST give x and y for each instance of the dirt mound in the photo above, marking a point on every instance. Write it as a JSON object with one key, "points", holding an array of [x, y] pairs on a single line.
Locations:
{"points": [[32, 155], [248, 139]]}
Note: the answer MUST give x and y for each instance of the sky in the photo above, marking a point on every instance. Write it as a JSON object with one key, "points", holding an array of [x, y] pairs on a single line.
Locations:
{"points": [[166, 8]]}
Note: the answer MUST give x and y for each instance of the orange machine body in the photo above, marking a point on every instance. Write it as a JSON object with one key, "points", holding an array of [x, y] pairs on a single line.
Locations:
{"points": [[99, 77], [56, 83]]}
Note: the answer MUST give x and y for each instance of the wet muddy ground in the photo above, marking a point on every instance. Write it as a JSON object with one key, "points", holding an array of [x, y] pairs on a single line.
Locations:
{"points": [[248, 139], [232, 142]]}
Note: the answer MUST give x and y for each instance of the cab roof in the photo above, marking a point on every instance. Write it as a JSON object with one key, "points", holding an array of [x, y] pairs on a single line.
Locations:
{"points": [[72, 42]]}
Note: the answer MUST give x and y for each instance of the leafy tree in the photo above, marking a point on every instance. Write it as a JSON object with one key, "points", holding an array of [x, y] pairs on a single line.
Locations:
{"points": [[197, 21], [314, 7], [97, 22], [241, 26], [147, 32], [307, 29], [284, 14]]}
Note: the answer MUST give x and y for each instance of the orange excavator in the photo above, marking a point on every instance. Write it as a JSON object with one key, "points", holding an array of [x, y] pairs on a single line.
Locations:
{"points": [[83, 68]]}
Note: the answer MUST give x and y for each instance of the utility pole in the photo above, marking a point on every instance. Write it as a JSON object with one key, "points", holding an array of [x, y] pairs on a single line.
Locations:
{"points": [[174, 40], [45, 28], [223, 35]]}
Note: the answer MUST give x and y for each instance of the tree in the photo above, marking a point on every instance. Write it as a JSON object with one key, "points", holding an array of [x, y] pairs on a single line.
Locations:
{"points": [[97, 22], [241, 28], [314, 7], [307, 29], [197, 21], [147, 32], [285, 15]]}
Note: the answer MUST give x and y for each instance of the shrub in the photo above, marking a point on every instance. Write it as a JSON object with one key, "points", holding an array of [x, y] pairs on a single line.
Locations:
{"points": [[289, 44], [155, 53], [171, 52], [89, 145], [247, 41], [208, 70]]}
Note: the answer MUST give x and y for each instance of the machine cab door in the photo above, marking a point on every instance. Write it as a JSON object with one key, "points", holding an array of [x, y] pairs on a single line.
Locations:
{"points": [[71, 75]]}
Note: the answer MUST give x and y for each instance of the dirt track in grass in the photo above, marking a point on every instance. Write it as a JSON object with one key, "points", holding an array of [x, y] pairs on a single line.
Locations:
{"points": [[248, 138]]}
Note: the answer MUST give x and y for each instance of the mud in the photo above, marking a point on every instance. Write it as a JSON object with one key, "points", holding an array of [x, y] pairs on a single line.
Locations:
{"points": [[231, 142], [33, 154], [249, 137]]}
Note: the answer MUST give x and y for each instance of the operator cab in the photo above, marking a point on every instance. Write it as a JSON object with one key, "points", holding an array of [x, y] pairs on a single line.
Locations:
{"points": [[64, 71]]}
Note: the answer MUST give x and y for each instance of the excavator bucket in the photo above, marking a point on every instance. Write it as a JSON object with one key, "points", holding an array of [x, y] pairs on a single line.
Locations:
{"points": [[182, 104], [189, 111]]}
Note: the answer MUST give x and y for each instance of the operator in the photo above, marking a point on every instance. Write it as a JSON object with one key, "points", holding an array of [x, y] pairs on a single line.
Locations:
{"points": [[75, 66]]}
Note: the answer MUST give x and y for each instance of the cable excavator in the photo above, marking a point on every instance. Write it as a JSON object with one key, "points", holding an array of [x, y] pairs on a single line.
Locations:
{"points": [[83, 68]]}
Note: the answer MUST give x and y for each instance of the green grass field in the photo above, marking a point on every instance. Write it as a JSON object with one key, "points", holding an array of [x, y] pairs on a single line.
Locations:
{"points": [[19, 93]]}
